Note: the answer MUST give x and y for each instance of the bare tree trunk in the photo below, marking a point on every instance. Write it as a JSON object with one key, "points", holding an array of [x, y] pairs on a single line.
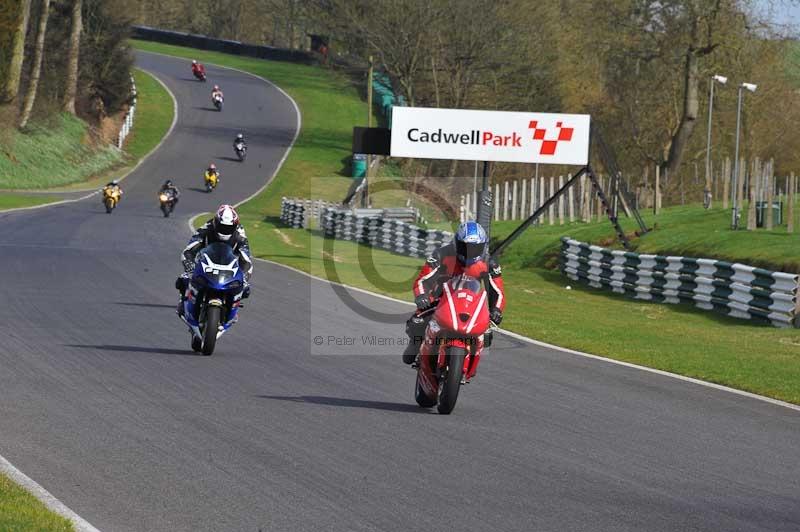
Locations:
{"points": [[72, 61], [30, 95], [10, 86], [691, 105]]}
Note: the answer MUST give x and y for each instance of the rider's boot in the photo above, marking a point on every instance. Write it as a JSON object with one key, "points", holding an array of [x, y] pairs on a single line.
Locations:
{"points": [[415, 329], [410, 353]]}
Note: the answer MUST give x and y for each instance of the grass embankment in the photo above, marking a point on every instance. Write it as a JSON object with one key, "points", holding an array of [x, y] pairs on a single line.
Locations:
{"points": [[677, 338], [52, 153], [55, 155], [19, 510]]}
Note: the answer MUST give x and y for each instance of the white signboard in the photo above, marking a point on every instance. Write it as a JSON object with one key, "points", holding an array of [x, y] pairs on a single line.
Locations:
{"points": [[430, 133]]}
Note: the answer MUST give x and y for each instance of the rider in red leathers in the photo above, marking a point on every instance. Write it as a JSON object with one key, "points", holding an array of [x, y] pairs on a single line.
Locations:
{"points": [[465, 255], [198, 68]]}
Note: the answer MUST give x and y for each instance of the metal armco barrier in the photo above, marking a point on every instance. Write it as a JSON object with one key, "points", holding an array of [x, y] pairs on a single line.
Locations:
{"points": [[373, 227], [202, 42], [733, 289]]}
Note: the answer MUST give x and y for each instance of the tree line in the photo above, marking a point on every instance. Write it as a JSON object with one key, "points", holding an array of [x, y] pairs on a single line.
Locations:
{"points": [[63, 56], [641, 68]]}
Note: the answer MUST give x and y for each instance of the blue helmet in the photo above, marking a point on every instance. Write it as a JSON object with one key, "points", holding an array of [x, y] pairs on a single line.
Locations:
{"points": [[470, 243]]}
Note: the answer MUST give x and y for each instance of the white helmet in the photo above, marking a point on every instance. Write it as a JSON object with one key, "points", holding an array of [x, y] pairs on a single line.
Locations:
{"points": [[194, 62], [226, 222]]}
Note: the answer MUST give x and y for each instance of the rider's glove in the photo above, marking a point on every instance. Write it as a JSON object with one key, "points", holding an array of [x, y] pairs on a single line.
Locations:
{"points": [[188, 266], [496, 316], [422, 302], [246, 291]]}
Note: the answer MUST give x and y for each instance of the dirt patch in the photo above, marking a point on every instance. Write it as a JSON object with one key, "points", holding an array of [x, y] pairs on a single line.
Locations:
{"points": [[286, 240], [330, 256], [109, 126]]}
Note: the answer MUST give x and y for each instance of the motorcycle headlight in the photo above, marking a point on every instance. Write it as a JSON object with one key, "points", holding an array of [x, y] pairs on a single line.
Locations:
{"points": [[234, 285], [163, 197]]}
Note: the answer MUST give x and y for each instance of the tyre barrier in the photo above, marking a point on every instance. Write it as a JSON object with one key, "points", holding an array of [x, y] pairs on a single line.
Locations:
{"points": [[733, 289], [298, 213], [379, 228]]}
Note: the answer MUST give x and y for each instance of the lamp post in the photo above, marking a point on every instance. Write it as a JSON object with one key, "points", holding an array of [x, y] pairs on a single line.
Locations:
{"points": [[735, 212], [722, 80]]}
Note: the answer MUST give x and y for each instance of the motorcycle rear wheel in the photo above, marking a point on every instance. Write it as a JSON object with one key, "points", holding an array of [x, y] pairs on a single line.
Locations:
{"points": [[210, 331], [451, 384]]}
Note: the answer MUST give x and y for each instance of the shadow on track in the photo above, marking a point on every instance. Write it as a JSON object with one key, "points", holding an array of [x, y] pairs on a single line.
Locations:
{"points": [[349, 403], [135, 349], [197, 189], [150, 305], [232, 159]]}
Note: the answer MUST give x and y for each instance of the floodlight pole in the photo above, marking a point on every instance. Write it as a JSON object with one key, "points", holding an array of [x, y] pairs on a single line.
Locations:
{"points": [[707, 192]]}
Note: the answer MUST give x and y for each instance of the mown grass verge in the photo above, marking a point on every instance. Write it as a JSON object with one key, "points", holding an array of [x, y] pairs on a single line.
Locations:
{"points": [[19, 510], [54, 156], [14, 201], [678, 339]]}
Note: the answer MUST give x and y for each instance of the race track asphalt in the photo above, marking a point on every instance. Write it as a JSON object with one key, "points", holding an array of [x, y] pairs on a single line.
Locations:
{"points": [[103, 403]]}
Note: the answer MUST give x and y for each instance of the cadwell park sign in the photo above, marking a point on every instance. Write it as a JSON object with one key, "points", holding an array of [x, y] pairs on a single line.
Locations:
{"points": [[545, 138]]}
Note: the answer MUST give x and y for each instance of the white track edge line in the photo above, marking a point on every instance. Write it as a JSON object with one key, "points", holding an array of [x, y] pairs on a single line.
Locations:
{"points": [[131, 170], [553, 347], [46, 498], [502, 331]]}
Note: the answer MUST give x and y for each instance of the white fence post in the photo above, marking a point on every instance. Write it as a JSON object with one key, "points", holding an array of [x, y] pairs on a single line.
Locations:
{"points": [[497, 201], [127, 123], [514, 202]]}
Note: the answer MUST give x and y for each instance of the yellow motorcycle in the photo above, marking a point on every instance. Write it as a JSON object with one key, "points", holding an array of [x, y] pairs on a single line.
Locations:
{"points": [[111, 196], [211, 179]]}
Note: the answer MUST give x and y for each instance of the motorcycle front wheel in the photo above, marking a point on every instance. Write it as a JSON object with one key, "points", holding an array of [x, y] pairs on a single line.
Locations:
{"points": [[451, 384], [109, 205], [210, 331]]}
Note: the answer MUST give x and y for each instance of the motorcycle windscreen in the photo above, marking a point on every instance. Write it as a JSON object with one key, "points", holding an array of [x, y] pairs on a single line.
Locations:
{"points": [[465, 282], [219, 263]]}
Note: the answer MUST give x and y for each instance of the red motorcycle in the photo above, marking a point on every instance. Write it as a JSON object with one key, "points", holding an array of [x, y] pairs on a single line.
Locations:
{"points": [[451, 351], [199, 73]]}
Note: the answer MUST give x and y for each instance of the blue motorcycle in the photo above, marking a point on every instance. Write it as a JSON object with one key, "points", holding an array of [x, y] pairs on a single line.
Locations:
{"points": [[214, 296]]}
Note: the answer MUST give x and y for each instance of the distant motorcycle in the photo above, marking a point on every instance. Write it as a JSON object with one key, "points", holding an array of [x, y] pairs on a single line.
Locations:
{"points": [[111, 198], [211, 179], [451, 351], [217, 101], [167, 201], [241, 150], [213, 296]]}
